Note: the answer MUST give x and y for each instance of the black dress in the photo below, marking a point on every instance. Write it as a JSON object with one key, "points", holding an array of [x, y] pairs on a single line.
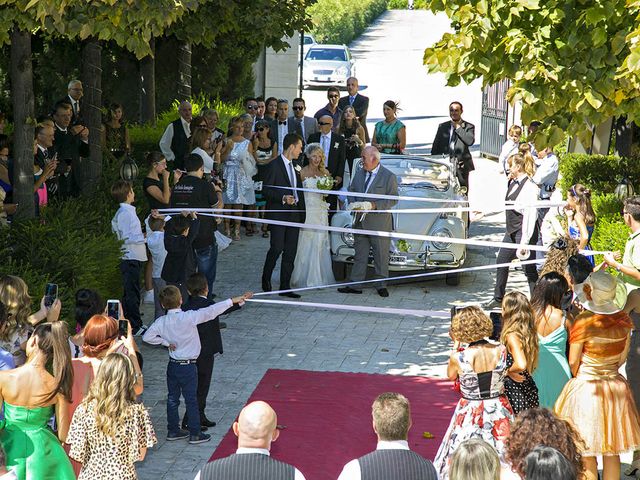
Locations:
{"points": [[521, 395], [352, 150]]}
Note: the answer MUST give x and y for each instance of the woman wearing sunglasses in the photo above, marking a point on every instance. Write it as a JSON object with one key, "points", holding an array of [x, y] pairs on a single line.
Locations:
{"points": [[266, 150]]}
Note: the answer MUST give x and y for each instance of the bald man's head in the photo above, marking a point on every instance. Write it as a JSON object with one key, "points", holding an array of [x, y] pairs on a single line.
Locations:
{"points": [[256, 426], [325, 123]]}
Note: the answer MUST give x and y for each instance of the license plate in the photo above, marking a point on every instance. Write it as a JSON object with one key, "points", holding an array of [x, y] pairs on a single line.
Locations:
{"points": [[397, 259]]}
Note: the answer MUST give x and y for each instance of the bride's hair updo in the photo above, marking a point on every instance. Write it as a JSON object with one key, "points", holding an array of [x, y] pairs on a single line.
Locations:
{"points": [[316, 148]]}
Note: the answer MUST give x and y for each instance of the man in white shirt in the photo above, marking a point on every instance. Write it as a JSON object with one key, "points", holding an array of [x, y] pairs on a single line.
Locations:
{"points": [[75, 92], [282, 123], [178, 330], [127, 227], [174, 143], [256, 429], [392, 458], [521, 229]]}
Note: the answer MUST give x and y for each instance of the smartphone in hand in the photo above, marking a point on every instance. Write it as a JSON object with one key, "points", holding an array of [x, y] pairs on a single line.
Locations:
{"points": [[50, 294], [123, 328], [113, 309]]}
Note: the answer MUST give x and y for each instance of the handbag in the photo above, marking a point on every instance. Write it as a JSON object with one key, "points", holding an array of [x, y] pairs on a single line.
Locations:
{"points": [[248, 164]]}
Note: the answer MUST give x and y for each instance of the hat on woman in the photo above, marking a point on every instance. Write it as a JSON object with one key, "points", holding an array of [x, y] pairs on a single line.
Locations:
{"points": [[602, 293]]}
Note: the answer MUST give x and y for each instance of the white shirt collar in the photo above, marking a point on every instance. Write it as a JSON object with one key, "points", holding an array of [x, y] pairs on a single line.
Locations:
{"points": [[262, 451], [41, 148], [375, 170], [59, 127], [327, 135], [174, 310], [393, 445], [286, 160], [127, 205]]}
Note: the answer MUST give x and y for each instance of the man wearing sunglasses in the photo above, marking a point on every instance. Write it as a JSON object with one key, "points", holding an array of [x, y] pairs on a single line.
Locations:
{"points": [[331, 109], [301, 124]]}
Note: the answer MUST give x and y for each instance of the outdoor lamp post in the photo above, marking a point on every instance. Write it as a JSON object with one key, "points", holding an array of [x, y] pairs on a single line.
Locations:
{"points": [[624, 189], [128, 169]]}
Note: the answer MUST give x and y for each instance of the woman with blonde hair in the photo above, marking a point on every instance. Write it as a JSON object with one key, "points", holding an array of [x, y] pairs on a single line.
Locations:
{"points": [[483, 411], [475, 459], [200, 145], [312, 266], [524, 149], [31, 394], [582, 218], [110, 431], [354, 135], [15, 330], [520, 337]]}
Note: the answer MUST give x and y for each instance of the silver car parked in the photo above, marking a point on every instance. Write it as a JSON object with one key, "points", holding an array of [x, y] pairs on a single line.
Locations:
{"points": [[327, 65], [421, 177]]}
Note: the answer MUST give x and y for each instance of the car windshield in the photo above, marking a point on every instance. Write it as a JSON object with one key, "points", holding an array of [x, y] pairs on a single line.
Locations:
{"points": [[308, 40], [331, 54], [421, 174]]}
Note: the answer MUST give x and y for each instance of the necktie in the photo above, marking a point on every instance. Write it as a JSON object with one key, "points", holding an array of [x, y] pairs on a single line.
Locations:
{"points": [[75, 108], [452, 141], [366, 182], [292, 179], [351, 99]]}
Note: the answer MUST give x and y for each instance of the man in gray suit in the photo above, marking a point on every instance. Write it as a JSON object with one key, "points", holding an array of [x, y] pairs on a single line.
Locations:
{"points": [[301, 124], [372, 178]]}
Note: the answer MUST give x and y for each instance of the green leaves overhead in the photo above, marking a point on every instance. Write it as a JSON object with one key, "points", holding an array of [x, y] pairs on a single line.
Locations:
{"points": [[572, 63]]}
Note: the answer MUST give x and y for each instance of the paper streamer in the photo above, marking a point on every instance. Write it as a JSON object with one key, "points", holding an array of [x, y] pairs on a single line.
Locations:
{"points": [[406, 277], [357, 308], [398, 235]]}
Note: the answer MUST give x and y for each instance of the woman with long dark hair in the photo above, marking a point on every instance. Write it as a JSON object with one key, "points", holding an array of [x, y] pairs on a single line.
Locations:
{"points": [[354, 135], [553, 368], [31, 395], [390, 134], [115, 135], [582, 218]]}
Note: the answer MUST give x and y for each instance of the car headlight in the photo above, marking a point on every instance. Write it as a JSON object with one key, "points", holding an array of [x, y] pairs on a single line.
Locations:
{"points": [[347, 238], [342, 71], [442, 233]]}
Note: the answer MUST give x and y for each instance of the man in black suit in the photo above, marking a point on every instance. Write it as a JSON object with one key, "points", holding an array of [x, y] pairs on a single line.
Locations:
{"points": [[45, 155], [70, 143], [360, 104], [334, 153], [74, 95], [454, 139], [210, 342], [281, 175]]}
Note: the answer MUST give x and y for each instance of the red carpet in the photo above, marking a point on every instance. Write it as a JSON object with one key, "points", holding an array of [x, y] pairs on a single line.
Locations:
{"points": [[328, 416]]}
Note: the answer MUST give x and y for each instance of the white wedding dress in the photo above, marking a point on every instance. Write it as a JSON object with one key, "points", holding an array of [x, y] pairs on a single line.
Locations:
{"points": [[312, 266]]}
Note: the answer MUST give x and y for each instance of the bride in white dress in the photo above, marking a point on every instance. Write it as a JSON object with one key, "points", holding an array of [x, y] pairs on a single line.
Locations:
{"points": [[312, 266]]}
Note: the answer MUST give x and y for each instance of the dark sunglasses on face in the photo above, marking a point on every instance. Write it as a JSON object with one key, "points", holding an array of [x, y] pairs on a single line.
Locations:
{"points": [[324, 123], [261, 129], [298, 108], [252, 107]]}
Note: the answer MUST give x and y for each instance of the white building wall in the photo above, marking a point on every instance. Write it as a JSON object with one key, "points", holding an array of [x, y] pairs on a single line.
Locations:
{"points": [[277, 73]]}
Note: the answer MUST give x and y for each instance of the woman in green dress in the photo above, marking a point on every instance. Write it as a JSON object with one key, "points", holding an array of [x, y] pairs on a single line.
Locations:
{"points": [[390, 134], [553, 367], [30, 395]]}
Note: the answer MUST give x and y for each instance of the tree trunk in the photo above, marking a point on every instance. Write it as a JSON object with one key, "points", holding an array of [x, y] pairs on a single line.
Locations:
{"points": [[23, 115], [184, 71], [624, 136], [90, 169], [148, 86]]}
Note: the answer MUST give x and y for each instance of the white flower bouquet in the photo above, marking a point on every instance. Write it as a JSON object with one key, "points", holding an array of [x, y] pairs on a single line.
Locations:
{"points": [[325, 183]]}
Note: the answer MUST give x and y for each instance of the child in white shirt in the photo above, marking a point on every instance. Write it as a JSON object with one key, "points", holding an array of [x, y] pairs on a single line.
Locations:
{"points": [[155, 242]]}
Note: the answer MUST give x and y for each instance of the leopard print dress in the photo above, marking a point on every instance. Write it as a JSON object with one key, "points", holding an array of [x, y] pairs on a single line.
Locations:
{"points": [[103, 457]]}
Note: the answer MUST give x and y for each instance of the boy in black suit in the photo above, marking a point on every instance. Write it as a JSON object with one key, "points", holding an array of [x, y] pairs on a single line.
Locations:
{"points": [[180, 263], [210, 342]]}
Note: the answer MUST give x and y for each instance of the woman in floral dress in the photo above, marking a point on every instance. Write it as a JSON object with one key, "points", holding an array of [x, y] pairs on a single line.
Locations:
{"points": [[484, 410]]}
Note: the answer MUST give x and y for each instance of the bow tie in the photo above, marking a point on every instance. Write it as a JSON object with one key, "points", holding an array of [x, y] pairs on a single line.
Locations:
{"points": [[282, 123]]}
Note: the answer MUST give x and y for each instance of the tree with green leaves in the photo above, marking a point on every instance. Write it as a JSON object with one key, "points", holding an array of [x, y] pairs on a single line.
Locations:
{"points": [[572, 63]]}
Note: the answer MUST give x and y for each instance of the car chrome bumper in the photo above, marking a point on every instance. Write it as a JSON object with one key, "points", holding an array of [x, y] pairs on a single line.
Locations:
{"points": [[404, 262]]}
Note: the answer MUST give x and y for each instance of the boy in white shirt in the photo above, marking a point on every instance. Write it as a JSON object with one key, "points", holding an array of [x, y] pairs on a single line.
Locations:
{"points": [[155, 242], [178, 330], [126, 225]]}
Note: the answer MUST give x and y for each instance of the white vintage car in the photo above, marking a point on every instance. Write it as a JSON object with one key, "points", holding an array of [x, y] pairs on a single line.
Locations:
{"points": [[420, 177]]}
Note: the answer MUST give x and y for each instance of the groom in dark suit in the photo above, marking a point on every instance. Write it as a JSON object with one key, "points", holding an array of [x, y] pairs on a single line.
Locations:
{"points": [[454, 139], [281, 175]]}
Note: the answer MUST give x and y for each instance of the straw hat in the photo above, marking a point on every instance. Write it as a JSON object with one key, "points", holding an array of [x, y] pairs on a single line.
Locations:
{"points": [[602, 293]]}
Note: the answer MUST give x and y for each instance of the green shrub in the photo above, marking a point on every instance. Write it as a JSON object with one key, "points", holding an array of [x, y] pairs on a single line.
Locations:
{"points": [[404, 4], [600, 173], [339, 22], [610, 232], [606, 205]]}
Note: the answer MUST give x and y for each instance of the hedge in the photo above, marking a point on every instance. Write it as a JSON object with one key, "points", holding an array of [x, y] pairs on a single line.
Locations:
{"points": [[600, 173], [404, 4], [340, 22]]}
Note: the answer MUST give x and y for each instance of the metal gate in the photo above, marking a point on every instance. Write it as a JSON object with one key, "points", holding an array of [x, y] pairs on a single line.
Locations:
{"points": [[493, 128]]}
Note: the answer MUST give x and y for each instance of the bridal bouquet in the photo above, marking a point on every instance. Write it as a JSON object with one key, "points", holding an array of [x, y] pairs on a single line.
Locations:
{"points": [[325, 183]]}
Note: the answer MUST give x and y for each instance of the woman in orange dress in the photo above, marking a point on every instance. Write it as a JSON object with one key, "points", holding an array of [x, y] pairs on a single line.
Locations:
{"points": [[598, 401]]}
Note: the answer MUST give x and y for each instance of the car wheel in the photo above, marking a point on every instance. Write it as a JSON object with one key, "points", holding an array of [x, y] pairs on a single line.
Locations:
{"points": [[339, 270], [452, 279]]}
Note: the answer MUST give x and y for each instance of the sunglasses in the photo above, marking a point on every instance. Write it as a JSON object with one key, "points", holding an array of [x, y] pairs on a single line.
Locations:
{"points": [[298, 108], [324, 123], [252, 107], [261, 129], [334, 96]]}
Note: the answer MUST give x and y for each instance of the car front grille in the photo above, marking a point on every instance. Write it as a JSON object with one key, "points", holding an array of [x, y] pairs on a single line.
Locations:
{"points": [[323, 72]]}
